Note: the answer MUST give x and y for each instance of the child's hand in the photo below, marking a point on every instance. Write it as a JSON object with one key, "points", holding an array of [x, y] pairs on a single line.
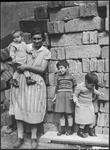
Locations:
{"points": [[77, 104]]}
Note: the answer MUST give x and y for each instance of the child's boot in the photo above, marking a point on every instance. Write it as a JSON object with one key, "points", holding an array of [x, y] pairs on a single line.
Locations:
{"points": [[81, 133], [15, 83], [69, 130], [92, 132], [62, 131], [30, 81]]}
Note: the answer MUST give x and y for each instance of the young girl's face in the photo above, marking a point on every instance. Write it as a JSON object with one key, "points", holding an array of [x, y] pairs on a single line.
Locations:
{"points": [[17, 38], [89, 86], [62, 69]]}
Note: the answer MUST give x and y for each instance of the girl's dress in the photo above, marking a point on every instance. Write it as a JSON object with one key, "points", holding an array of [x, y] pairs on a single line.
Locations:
{"points": [[28, 103], [64, 89], [84, 113]]}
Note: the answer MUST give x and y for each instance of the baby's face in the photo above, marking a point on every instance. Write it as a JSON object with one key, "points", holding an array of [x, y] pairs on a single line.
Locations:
{"points": [[17, 38], [90, 86], [62, 69]]}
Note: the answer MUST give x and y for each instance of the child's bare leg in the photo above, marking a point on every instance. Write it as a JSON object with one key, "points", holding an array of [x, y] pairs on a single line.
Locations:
{"points": [[62, 124]]}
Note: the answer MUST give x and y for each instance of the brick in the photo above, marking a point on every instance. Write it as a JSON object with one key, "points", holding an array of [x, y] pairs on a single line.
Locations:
{"points": [[107, 120], [85, 65], [3, 84], [2, 96], [83, 51], [101, 119], [105, 97], [86, 37], [93, 37], [106, 79], [105, 52], [53, 53], [80, 77], [55, 4], [41, 12], [93, 64], [106, 65], [55, 27], [66, 40], [52, 67], [51, 78], [100, 78], [50, 105], [88, 10], [104, 107], [76, 25], [100, 65], [106, 24], [75, 66], [103, 38], [51, 92], [102, 3], [4, 54], [105, 130], [98, 130], [7, 94], [64, 14], [61, 53], [29, 25], [47, 41]]}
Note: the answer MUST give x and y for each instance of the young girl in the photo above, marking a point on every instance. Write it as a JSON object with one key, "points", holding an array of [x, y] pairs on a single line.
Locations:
{"points": [[65, 84], [84, 109], [18, 53]]}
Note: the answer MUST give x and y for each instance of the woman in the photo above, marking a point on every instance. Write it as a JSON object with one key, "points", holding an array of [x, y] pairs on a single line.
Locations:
{"points": [[28, 103]]}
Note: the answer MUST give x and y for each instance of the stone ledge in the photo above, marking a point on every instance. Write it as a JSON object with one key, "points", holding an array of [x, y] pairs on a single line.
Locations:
{"points": [[100, 140]]}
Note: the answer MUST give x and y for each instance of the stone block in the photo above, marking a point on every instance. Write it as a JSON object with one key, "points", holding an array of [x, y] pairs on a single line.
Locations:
{"points": [[105, 52], [98, 130], [3, 84], [100, 65], [105, 97], [77, 25], [104, 107], [105, 130], [80, 77], [106, 65], [101, 120], [103, 38], [2, 96], [88, 10], [75, 66], [106, 79], [53, 53], [102, 3], [41, 12], [61, 53], [55, 4], [64, 14], [83, 51], [107, 120], [51, 78], [86, 37], [85, 65], [7, 94], [66, 40], [106, 24], [51, 92], [52, 67], [50, 105], [100, 78], [93, 64], [93, 37]]}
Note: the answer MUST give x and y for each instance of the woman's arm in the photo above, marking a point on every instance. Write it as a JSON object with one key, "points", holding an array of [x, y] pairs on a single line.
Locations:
{"points": [[37, 70]]}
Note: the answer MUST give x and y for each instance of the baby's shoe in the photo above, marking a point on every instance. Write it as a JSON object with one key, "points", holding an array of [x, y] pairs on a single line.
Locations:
{"points": [[30, 81], [69, 130], [92, 132], [14, 82], [81, 133], [61, 131]]}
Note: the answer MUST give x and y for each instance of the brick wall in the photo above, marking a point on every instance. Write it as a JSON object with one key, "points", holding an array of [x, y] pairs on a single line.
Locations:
{"points": [[77, 31]]}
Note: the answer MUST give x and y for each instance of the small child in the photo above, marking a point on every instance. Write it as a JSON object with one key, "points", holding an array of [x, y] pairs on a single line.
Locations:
{"points": [[84, 109], [18, 53], [65, 84]]}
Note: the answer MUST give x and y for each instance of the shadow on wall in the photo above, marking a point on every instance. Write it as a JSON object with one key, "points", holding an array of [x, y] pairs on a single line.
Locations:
{"points": [[5, 41]]}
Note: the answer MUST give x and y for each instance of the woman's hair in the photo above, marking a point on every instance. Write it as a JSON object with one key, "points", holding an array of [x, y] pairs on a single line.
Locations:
{"points": [[62, 63], [91, 77], [38, 31], [17, 31]]}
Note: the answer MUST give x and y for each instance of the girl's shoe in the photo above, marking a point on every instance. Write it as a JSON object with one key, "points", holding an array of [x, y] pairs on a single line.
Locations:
{"points": [[69, 131], [62, 131], [81, 133], [92, 132]]}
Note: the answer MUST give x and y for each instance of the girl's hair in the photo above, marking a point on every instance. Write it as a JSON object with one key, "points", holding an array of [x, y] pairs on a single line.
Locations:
{"points": [[62, 63], [38, 31], [91, 77], [17, 31]]}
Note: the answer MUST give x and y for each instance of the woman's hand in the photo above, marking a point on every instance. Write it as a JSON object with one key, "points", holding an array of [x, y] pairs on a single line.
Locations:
{"points": [[22, 68]]}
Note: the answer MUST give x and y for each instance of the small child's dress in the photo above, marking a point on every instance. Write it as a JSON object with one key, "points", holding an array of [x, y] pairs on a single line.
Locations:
{"points": [[64, 89], [84, 113]]}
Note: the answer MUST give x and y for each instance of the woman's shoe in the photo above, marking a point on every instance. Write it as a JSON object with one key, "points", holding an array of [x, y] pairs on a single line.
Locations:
{"points": [[34, 143], [92, 132], [81, 133], [69, 131], [19, 143], [62, 131]]}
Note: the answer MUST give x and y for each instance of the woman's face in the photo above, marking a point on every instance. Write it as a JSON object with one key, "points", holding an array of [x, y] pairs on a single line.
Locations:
{"points": [[37, 40]]}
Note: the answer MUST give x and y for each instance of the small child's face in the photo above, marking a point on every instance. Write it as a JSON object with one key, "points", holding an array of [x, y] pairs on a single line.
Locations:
{"points": [[17, 38], [89, 86], [62, 69]]}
